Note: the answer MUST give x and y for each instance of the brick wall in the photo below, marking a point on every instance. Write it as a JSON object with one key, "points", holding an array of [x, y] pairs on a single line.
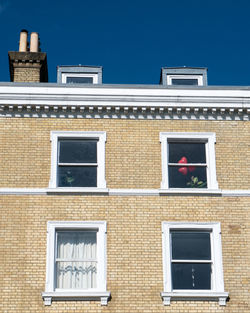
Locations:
{"points": [[27, 73], [134, 250], [133, 150], [134, 243]]}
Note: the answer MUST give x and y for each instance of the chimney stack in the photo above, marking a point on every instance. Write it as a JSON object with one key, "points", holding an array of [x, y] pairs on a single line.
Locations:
{"points": [[28, 65]]}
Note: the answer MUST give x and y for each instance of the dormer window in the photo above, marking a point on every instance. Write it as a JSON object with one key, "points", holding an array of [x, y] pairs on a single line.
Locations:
{"points": [[79, 74], [184, 76]]}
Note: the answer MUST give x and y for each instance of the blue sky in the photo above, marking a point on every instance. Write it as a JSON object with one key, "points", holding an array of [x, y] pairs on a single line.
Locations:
{"points": [[132, 40]]}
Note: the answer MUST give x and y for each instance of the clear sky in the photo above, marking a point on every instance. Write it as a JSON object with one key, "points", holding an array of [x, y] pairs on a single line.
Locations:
{"points": [[133, 39]]}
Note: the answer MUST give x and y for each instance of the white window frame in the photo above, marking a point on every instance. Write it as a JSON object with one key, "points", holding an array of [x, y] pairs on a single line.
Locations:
{"points": [[98, 293], [199, 78], [217, 292], [66, 75], [209, 139], [100, 136]]}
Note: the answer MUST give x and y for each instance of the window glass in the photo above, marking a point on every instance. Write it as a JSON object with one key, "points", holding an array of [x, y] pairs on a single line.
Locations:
{"points": [[184, 81], [193, 152], [78, 151], [77, 176], [183, 175], [191, 275], [79, 80], [190, 245], [187, 177], [76, 263]]}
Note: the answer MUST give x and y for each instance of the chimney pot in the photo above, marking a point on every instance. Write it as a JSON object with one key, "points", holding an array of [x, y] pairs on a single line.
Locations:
{"points": [[34, 42], [23, 40]]}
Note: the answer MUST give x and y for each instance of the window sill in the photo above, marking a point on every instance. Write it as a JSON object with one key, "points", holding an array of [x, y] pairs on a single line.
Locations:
{"points": [[78, 190], [102, 296], [189, 192], [221, 297]]}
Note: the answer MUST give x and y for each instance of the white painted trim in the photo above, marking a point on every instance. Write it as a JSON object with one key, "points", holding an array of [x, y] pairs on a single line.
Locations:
{"points": [[221, 297], [125, 192], [23, 191], [190, 192], [216, 255], [236, 193], [52, 227], [133, 192], [78, 190], [74, 74], [199, 78], [103, 297], [208, 138], [99, 135]]}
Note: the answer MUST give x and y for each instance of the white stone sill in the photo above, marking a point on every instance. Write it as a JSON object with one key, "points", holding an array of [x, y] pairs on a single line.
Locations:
{"points": [[221, 297], [76, 190], [190, 192], [101, 296]]}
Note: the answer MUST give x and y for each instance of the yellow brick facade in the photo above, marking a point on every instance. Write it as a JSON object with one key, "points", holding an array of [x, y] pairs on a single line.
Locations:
{"points": [[134, 271], [134, 235], [133, 150]]}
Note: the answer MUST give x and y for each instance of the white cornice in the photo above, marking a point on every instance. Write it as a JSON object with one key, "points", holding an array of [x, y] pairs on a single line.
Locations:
{"points": [[122, 102]]}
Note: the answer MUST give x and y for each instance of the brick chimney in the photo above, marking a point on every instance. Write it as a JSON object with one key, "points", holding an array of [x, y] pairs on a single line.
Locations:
{"points": [[28, 64]]}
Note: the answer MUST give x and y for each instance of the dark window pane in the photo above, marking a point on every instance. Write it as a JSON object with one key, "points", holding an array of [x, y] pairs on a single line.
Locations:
{"points": [[79, 80], [77, 176], [187, 177], [78, 151], [191, 275], [193, 152], [190, 245], [184, 81]]}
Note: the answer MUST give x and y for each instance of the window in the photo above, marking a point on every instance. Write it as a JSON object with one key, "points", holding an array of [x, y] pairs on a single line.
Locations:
{"points": [[76, 261], [188, 160], [78, 159], [71, 78], [192, 262], [185, 80], [191, 259]]}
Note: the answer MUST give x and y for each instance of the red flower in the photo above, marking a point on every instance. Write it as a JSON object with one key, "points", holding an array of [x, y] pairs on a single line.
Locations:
{"points": [[183, 160], [183, 170], [191, 168]]}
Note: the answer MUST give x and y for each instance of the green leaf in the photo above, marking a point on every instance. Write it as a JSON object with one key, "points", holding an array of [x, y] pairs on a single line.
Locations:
{"points": [[195, 180]]}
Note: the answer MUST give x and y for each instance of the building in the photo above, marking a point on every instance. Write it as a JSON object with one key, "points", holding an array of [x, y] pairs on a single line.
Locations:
{"points": [[122, 198]]}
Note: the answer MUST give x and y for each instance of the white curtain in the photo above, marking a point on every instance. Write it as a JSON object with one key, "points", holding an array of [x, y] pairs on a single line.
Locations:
{"points": [[76, 266]]}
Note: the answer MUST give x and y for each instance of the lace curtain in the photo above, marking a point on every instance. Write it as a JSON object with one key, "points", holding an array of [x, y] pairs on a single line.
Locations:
{"points": [[76, 264]]}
